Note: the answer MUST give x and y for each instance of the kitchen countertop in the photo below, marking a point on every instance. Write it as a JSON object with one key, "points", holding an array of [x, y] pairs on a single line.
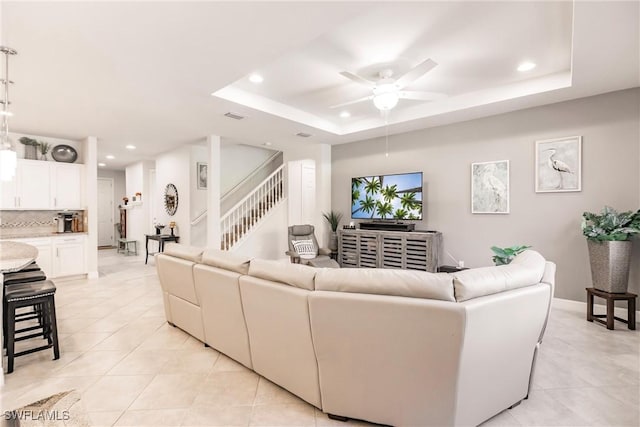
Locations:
{"points": [[36, 235], [15, 256]]}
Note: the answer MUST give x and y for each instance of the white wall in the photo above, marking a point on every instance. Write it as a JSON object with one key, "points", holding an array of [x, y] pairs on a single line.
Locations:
{"points": [[238, 161], [610, 127], [119, 188], [139, 217], [174, 167], [321, 154], [269, 239]]}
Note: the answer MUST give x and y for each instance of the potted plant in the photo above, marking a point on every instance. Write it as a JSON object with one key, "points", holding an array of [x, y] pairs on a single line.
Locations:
{"points": [[44, 149], [333, 218], [609, 241], [504, 256], [30, 147]]}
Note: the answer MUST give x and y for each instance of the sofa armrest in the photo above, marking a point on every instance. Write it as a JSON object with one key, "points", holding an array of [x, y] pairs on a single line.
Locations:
{"points": [[324, 251], [295, 258]]}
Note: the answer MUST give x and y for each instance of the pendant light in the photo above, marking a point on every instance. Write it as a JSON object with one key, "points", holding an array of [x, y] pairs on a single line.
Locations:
{"points": [[8, 157]]}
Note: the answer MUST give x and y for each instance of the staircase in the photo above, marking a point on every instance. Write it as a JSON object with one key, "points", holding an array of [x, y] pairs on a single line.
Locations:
{"points": [[246, 214]]}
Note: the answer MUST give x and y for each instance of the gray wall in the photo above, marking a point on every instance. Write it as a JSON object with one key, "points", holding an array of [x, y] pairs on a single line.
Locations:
{"points": [[550, 222]]}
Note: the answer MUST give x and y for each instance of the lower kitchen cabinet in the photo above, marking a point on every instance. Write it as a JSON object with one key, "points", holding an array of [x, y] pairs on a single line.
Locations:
{"points": [[59, 256]]}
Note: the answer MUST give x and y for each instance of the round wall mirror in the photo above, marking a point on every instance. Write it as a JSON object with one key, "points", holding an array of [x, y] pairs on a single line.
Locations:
{"points": [[171, 199]]}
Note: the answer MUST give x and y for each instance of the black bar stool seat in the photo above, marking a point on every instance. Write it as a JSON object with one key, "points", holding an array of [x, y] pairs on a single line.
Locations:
{"points": [[24, 277], [23, 295]]}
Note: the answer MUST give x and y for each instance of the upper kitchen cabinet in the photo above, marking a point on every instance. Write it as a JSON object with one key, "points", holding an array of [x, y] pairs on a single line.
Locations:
{"points": [[44, 185], [67, 186]]}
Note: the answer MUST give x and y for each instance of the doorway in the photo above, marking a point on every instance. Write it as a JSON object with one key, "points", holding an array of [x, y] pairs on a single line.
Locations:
{"points": [[105, 213]]}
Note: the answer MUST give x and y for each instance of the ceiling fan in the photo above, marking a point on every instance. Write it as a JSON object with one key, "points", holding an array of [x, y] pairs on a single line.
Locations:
{"points": [[387, 90]]}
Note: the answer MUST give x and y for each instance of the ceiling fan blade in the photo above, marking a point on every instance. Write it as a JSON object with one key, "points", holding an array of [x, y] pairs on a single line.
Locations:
{"points": [[356, 78], [421, 96], [416, 72], [344, 104]]}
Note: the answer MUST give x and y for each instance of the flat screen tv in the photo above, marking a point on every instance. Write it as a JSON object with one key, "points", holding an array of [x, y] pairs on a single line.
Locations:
{"points": [[393, 197]]}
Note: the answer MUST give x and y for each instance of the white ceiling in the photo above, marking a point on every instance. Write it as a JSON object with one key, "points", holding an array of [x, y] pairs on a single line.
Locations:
{"points": [[142, 73]]}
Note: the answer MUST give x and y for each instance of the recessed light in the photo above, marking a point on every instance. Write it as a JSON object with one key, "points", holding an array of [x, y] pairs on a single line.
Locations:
{"points": [[102, 165], [526, 66], [268, 144], [110, 156], [345, 114], [130, 147], [256, 78]]}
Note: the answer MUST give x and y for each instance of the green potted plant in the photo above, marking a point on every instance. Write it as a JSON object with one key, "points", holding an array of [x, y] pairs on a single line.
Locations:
{"points": [[609, 242], [333, 218], [504, 256], [30, 147]]}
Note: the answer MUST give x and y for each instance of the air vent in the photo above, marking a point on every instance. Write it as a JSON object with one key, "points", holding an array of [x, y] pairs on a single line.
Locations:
{"points": [[303, 135], [234, 116]]}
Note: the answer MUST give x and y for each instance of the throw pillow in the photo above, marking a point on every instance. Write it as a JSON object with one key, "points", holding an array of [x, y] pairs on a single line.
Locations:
{"points": [[305, 248]]}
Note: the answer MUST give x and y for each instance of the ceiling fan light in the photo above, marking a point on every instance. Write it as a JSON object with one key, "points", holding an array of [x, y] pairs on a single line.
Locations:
{"points": [[386, 101]]}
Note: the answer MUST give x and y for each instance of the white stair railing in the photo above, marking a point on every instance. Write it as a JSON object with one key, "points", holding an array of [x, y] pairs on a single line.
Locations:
{"points": [[235, 224]]}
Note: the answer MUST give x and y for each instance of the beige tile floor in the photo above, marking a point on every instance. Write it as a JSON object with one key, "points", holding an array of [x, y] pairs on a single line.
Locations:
{"points": [[133, 369]]}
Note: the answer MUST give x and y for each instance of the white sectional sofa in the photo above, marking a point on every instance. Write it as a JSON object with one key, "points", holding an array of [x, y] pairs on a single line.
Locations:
{"points": [[395, 347]]}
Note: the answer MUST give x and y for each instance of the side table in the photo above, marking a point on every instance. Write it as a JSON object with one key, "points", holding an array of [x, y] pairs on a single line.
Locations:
{"points": [[610, 316], [161, 239]]}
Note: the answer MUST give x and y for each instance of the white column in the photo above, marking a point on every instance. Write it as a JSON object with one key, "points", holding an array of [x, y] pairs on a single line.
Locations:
{"points": [[213, 192], [90, 145]]}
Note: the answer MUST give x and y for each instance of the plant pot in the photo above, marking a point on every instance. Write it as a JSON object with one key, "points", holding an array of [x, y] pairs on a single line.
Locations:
{"points": [[30, 152], [610, 262], [333, 241]]}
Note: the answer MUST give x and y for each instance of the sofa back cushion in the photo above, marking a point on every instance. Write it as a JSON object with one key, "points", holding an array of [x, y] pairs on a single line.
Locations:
{"points": [[300, 276], [226, 260], [404, 283], [526, 269], [189, 253]]}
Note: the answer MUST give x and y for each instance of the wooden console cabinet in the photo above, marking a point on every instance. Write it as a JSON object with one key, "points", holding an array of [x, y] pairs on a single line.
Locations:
{"points": [[412, 250]]}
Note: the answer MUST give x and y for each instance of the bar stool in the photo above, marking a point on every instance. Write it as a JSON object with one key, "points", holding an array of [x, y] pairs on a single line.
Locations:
{"points": [[28, 294], [26, 275]]}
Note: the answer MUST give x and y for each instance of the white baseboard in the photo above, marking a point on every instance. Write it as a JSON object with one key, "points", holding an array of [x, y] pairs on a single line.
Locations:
{"points": [[582, 306]]}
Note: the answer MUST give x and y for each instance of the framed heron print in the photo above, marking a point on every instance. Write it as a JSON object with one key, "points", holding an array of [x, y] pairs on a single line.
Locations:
{"points": [[559, 165], [490, 187]]}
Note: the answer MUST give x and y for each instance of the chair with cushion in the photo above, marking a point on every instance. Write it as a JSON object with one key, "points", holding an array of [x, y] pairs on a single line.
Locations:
{"points": [[303, 248]]}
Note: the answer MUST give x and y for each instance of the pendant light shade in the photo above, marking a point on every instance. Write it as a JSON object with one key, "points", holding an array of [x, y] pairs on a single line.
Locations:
{"points": [[8, 156]]}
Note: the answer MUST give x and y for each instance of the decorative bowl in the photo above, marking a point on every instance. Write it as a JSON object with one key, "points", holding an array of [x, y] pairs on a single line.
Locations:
{"points": [[64, 153]]}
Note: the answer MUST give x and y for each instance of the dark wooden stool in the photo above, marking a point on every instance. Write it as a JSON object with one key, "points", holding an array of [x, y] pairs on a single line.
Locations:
{"points": [[24, 295], [610, 316]]}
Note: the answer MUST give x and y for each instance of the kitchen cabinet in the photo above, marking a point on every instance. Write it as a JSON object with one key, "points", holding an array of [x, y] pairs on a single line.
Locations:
{"points": [[60, 255], [68, 256], [67, 186], [30, 188], [44, 185]]}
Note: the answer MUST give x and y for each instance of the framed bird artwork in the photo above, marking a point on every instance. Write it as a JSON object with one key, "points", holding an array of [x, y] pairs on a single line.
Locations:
{"points": [[559, 165]]}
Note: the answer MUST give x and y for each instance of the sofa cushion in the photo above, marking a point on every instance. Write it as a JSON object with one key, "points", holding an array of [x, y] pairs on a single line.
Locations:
{"points": [[190, 253], [404, 283], [300, 276], [526, 269], [226, 260]]}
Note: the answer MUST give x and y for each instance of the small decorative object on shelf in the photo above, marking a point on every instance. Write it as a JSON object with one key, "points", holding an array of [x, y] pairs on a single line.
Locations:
{"points": [[139, 196], [159, 228], [44, 148], [64, 153], [172, 225], [125, 200], [30, 147]]}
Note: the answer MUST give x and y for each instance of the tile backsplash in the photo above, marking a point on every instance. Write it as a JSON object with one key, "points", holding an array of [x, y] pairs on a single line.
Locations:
{"points": [[29, 223]]}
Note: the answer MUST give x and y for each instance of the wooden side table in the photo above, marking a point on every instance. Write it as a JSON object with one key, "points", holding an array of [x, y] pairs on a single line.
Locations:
{"points": [[610, 316]]}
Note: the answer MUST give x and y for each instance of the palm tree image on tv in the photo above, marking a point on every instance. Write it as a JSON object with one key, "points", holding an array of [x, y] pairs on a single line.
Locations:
{"points": [[387, 197]]}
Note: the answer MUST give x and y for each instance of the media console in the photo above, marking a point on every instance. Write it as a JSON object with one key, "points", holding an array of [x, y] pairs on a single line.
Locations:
{"points": [[387, 226], [413, 250]]}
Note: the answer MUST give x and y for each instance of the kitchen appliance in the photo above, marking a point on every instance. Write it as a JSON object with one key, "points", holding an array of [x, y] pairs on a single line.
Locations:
{"points": [[66, 221]]}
